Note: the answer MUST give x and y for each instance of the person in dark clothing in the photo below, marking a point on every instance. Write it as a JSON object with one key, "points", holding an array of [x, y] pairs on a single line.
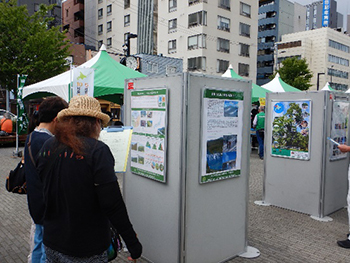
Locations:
{"points": [[46, 121], [82, 195]]}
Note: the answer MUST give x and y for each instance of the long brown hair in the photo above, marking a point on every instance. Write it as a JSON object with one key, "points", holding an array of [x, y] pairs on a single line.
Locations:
{"points": [[71, 131]]}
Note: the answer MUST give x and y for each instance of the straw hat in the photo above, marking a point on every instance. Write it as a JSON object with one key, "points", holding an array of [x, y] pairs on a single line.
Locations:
{"points": [[84, 106]]}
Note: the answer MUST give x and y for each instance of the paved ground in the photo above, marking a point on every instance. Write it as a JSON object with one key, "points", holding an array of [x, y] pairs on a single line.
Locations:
{"points": [[280, 235]]}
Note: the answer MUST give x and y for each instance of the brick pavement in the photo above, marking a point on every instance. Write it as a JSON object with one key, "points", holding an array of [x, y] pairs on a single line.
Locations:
{"points": [[280, 235]]}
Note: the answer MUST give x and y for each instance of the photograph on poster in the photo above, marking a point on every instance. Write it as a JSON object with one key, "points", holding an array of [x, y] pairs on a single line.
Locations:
{"points": [[148, 117], [339, 130], [221, 134], [290, 129]]}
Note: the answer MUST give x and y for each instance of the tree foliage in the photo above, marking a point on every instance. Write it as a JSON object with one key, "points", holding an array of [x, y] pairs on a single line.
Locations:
{"points": [[28, 45], [295, 72], [285, 130]]}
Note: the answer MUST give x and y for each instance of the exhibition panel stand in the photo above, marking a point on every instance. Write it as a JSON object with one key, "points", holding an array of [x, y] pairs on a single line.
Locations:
{"points": [[186, 184], [305, 171]]}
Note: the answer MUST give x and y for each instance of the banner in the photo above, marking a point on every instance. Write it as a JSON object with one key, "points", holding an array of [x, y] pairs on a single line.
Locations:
{"points": [[83, 81], [22, 119]]}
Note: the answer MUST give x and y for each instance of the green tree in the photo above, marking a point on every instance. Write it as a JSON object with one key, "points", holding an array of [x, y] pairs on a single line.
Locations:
{"points": [[295, 72], [285, 132], [28, 45]]}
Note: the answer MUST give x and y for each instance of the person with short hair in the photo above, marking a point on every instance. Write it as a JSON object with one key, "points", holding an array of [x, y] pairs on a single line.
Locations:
{"points": [[48, 110], [259, 125], [81, 191]]}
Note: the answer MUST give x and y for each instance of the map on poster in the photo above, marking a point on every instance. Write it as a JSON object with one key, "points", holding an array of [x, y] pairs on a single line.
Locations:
{"points": [[222, 125], [291, 122], [148, 143], [339, 130]]}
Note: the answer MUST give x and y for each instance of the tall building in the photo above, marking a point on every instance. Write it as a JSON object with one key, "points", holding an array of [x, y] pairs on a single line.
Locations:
{"points": [[33, 6], [326, 51], [276, 18], [323, 14], [279, 17], [206, 35]]}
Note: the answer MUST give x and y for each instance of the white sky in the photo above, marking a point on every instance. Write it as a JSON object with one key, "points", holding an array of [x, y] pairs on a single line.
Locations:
{"points": [[343, 7]]}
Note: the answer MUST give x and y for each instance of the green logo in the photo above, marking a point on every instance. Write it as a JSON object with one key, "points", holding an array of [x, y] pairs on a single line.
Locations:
{"points": [[81, 76]]}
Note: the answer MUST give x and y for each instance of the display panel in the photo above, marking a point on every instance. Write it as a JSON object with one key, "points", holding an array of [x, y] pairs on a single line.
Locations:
{"points": [[291, 123], [221, 142], [339, 128], [148, 143]]}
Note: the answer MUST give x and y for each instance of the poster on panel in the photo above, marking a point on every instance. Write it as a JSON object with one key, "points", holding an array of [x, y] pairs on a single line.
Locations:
{"points": [[291, 122], [148, 142], [339, 129], [221, 131]]}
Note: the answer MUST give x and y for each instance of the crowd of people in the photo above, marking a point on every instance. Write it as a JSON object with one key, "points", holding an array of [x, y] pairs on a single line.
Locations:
{"points": [[72, 191]]}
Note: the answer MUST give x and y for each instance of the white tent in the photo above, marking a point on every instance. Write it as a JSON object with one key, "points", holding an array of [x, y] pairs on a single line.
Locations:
{"points": [[109, 80], [278, 85], [327, 87]]}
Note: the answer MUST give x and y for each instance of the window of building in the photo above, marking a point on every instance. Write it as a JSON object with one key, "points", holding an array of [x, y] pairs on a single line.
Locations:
{"points": [[244, 30], [338, 46], [67, 12], [109, 42], [338, 86], [223, 45], [126, 4], [197, 41], [172, 46], [221, 65], [192, 2], [100, 1], [109, 26], [243, 69], [223, 23], [100, 29], [170, 70], [127, 20], [243, 50], [126, 37], [109, 10], [100, 44], [197, 63], [36, 7], [224, 4], [338, 60], [338, 73], [172, 25], [245, 9], [100, 13], [172, 5], [152, 67], [199, 18]]}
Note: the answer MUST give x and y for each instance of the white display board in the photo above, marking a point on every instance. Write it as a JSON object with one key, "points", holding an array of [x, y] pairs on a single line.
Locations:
{"points": [[118, 140], [148, 144], [222, 122], [339, 128]]}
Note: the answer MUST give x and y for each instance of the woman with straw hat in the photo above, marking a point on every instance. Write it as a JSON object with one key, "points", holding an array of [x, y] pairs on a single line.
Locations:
{"points": [[81, 191]]}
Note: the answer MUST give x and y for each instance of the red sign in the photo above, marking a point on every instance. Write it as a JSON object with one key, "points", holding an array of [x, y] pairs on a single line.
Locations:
{"points": [[130, 85]]}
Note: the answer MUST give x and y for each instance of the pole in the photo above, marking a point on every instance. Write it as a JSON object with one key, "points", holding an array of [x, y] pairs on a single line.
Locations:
{"points": [[70, 80], [16, 153], [276, 50]]}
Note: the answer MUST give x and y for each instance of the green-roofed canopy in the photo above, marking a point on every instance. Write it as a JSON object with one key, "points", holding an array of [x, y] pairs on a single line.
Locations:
{"points": [[108, 80]]}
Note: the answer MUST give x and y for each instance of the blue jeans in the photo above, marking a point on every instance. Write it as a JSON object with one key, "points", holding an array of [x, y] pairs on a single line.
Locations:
{"points": [[260, 138], [38, 254]]}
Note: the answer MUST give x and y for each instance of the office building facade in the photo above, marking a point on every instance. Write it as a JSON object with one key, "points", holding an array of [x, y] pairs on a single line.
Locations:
{"points": [[326, 51], [206, 35]]}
